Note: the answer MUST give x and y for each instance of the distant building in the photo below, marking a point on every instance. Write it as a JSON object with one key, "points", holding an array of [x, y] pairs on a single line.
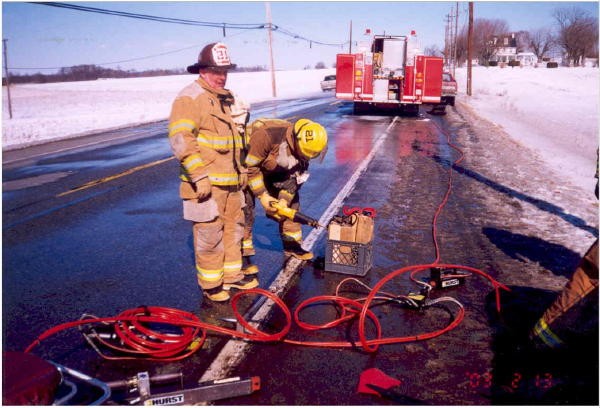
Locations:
{"points": [[505, 48], [527, 58]]}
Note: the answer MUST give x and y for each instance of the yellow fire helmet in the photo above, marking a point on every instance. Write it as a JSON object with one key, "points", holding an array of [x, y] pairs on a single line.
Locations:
{"points": [[311, 138]]}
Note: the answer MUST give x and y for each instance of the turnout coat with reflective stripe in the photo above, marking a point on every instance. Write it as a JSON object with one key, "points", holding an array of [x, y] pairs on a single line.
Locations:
{"points": [[574, 313], [270, 158], [204, 138]]}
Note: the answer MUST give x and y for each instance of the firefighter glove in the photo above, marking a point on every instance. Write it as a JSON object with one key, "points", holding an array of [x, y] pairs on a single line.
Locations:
{"points": [[266, 200], [243, 180], [282, 202], [286, 197], [203, 187]]}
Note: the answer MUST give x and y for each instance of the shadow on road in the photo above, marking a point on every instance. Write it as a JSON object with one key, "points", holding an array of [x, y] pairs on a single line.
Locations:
{"points": [[540, 204], [556, 258]]}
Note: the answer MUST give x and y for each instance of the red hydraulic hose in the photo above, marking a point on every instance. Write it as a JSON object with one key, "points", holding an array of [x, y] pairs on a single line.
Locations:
{"points": [[446, 196], [136, 338]]}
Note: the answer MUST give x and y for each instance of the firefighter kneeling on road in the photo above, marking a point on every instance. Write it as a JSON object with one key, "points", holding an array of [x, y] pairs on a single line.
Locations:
{"points": [[277, 163]]}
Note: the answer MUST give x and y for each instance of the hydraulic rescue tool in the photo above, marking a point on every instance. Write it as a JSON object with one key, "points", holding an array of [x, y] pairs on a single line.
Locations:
{"points": [[30, 380], [205, 392], [294, 215]]}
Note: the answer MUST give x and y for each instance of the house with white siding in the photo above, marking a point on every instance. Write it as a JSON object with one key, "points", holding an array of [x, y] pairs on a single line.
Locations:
{"points": [[527, 58], [505, 48]]}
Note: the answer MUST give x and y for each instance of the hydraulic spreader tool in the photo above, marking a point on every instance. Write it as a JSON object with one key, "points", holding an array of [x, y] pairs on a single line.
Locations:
{"points": [[294, 215]]}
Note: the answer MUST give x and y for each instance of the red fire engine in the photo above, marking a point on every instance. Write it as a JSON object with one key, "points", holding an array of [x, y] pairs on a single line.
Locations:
{"points": [[389, 71]]}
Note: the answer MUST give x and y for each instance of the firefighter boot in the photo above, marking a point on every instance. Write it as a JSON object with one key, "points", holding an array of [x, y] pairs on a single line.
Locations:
{"points": [[294, 248], [248, 268], [218, 294], [247, 282]]}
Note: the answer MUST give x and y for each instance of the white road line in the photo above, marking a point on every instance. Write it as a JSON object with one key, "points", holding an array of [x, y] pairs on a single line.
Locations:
{"points": [[233, 352]]}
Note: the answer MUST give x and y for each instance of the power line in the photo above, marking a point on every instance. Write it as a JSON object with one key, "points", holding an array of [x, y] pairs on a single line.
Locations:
{"points": [[153, 18], [224, 26], [299, 37]]}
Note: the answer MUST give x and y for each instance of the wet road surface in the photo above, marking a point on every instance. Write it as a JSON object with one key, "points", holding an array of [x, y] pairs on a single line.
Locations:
{"points": [[122, 244]]}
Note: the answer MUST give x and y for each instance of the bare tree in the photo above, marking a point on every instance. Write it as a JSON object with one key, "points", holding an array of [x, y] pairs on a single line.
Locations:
{"points": [[577, 33], [433, 50], [484, 31], [461, 46], [541, 42], [523, 40]]}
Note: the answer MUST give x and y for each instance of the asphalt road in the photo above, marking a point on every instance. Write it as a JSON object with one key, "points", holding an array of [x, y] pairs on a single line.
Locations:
{"points": [[98, 230]]}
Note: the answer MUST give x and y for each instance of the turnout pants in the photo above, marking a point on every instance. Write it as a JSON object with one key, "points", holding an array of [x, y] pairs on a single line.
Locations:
{"points": [[217, 243], [247, 244]]}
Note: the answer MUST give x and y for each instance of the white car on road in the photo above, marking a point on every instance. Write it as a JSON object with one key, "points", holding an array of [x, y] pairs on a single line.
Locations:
{"points": [[328, 83]]}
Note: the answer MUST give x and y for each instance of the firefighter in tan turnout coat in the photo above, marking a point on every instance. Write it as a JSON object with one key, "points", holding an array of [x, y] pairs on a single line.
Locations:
{"points": [[204, 139]]}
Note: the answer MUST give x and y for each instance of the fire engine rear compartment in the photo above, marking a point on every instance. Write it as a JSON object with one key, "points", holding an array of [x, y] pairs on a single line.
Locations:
{"points": [[390, 73]]}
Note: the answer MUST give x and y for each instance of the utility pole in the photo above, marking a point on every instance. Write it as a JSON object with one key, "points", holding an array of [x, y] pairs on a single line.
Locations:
{"points": [[447, 43], [451, 36], [350, 45], [270, 37], [455, 43], [451, 39], [470, 49], [7, 79]]}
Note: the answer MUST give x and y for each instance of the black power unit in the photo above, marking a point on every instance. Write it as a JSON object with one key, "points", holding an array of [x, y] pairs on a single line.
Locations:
{"points": [[444, 278]]}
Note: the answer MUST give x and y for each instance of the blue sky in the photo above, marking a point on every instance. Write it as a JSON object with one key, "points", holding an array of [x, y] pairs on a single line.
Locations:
{"points": [[48, 37]]}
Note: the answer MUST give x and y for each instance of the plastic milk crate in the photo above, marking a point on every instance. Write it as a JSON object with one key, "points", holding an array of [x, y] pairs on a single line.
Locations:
{"points": [[351, 258], [350, 245]]}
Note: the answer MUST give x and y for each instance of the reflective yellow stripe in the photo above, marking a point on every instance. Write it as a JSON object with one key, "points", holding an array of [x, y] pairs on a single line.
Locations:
{"points": [[219, 142], [542, 330], [256, 183], [292, 236], [192, 162], [223, 179], [247, 244], [210, 275], [252, 160], [185, 177], [233, 266], [229, 179], [181, 125]]}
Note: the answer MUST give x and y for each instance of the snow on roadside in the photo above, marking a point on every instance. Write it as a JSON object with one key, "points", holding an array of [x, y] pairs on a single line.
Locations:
{"points": [[551, 111]]}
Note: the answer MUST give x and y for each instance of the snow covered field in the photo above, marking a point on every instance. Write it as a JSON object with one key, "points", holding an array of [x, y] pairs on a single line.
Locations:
{"points": [[551, 111], [554, 112]]}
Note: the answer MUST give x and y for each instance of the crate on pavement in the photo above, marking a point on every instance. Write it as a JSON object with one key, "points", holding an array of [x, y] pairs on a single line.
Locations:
{"points": [[350, 245], [351, 258]]}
